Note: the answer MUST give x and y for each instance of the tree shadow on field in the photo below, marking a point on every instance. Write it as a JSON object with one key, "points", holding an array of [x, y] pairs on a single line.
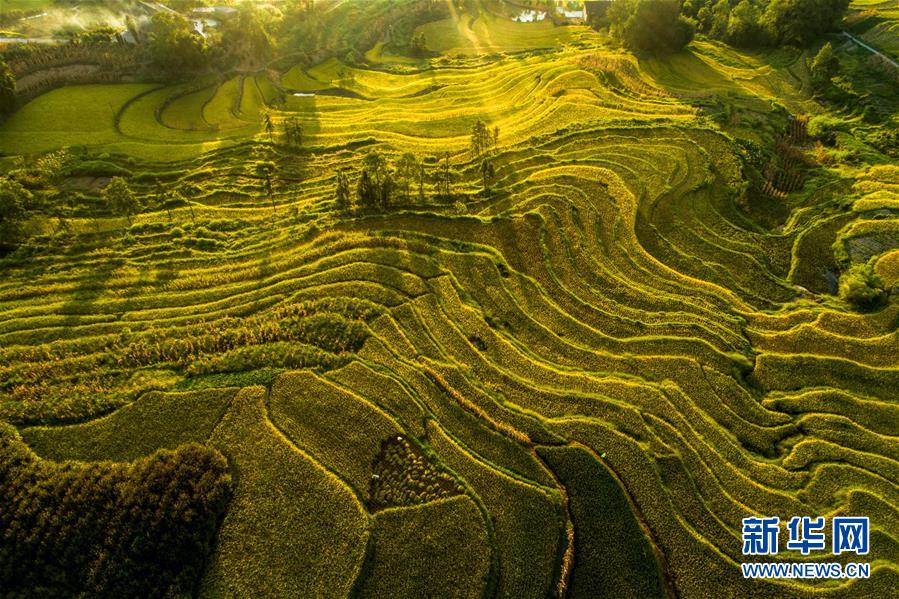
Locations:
{"points": [[305, 108], [88, 290], [264, 267], [688, 72], [155, 277], [294, 164]]}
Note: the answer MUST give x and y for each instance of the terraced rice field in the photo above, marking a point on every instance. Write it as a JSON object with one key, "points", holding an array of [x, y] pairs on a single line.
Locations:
{"points": [[486, 33], [879, 24], [605, 353]]}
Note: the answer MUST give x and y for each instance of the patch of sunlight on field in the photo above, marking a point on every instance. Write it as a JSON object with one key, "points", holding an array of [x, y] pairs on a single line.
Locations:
{"points": [[877, 23], [368, 83], [711, 68], [379, 53], [888, 268], [297, 79], [70, 116], [687, 71], [122, 118], [486, 33], [8, 5]]}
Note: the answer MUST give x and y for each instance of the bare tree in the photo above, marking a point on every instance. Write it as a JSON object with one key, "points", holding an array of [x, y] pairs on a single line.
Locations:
{"points": [[481, 139], [421, 182], [444, 177], [266, 169], [342, 191], [407, 169], [269, 126]]}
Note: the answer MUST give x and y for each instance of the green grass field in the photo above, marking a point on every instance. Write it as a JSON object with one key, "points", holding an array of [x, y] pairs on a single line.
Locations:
{"points": [[25, 4], [601, 366], [878, 24]]}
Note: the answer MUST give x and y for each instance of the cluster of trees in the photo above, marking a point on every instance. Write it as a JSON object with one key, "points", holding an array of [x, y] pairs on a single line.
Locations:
{"points": [[379, 183], [102, 34], [32, 191], [107, 529], [176, 49], [119, 199], [418, 44], [293, 132], [484, 142], [375, 186], [265, 170], [315, 31], [652, 26], [27, 189], [663, 26], [7, 89], [291, 128], [824, 67], [755, 23], [861, 287], [174, 46], [15, 204], [249, 37]]}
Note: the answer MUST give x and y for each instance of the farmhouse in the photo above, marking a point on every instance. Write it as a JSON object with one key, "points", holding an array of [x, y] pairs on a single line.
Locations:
{"points": [[568, 13], [530, 16], [211, 17], [220, 13], [144, 12], [202, 20], [583, 11]]}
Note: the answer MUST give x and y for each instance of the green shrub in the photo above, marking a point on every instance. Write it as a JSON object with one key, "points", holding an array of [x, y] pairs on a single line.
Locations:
{"points": [[15, 201], [272, 355], [861, 287], [885, 140], [7, 89], [824, 66], [824, 127]]}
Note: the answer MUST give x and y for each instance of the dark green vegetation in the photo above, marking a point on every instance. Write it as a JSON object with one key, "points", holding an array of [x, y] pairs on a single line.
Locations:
{"points": [[470, 306], [7, 89], [612, 555], [105, 529], [654, 26], [861, 286], [665, 26], [751, 23], [402, 476]]}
